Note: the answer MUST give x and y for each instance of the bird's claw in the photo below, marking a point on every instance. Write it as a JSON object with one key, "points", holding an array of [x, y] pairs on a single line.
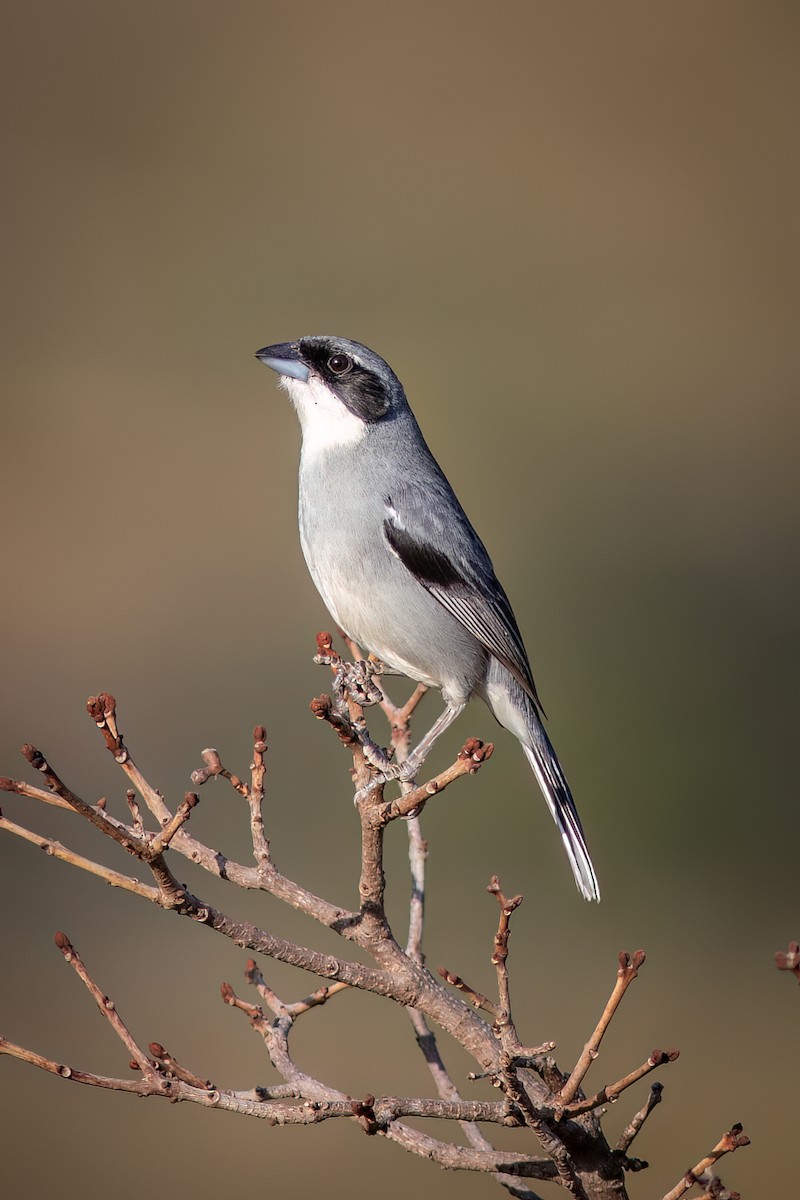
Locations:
{"points": [[405, 772]]}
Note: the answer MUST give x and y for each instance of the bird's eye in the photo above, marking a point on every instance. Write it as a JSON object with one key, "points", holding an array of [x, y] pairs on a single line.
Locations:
{"points": [[340, 364]]}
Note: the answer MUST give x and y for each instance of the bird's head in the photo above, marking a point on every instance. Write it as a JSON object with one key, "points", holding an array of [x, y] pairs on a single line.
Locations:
{"points": [[339, 388]]}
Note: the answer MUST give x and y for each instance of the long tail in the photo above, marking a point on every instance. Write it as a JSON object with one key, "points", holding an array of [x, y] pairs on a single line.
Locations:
{"points": [[515, 711], [555, 789]]}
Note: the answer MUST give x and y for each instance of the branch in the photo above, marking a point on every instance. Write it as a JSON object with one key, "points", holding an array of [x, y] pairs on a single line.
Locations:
{"points": [[107, 1008], [57, 850], [612, 1091], [730, 1141], [504, 1023], [471, 757], [632, 1129], [564, 1121], [627, 972]]}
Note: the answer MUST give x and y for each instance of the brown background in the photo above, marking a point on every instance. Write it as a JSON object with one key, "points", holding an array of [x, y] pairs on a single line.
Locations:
{"points": [[572, 231]]}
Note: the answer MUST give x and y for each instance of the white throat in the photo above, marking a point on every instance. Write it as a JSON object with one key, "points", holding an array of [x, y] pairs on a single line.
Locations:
{"points": [[324, 420]]}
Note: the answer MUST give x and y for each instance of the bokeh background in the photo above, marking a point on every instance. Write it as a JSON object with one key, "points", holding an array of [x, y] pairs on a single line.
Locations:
{"points": [[572, 230]]}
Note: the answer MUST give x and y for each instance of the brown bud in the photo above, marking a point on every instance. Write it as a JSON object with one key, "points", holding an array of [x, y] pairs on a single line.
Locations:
{"points": [[32, 755]]}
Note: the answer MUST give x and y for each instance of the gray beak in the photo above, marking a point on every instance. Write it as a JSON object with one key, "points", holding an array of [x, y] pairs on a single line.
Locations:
{"points": [[285, 359]]}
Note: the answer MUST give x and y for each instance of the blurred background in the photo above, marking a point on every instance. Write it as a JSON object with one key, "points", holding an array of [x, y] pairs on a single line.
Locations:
{"points": [[572, 231]]}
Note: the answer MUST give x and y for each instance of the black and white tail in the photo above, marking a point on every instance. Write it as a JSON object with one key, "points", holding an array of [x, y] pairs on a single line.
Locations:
{"points": [[555, 789]]}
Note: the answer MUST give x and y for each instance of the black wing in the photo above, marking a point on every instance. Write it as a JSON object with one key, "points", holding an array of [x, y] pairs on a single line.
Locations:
{"points": [[431, 535]]}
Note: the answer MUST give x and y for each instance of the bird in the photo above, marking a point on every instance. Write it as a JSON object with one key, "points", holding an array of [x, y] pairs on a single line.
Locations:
{"points": [[398, 564]]}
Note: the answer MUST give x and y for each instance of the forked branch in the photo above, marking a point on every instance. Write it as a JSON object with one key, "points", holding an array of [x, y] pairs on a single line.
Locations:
{"points": [[558, 1125]]}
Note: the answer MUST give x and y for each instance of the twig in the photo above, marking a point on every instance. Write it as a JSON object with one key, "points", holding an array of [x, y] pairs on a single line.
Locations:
{"points": [[578, 1152], [107, 1008], [476, 998], [549, 1139], [417, 858], [626, 973], [315, 999], [172, 1067], [215, 768], [632, 1129], [22, 788], [730, 1141], [471, 758], [160, 841], [255, 797], [102, 710], [91, 813], [612, 1091], [504, 1023], [57, 850]]}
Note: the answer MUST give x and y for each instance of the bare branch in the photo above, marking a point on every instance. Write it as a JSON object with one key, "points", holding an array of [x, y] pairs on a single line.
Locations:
{"points": [[626, 973], [551, 1143], [541, 1100], [504, 1023], [107, 1007], [170, 1066], [57, 850], [612, 1091], [21, 788], [632, 1129], [417, 858], [92, 813], [476, 998], [255, 797], [213, 769], [730, 1141], [471, 758]]}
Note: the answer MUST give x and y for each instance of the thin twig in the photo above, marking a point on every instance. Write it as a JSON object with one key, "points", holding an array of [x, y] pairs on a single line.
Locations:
{"points": [[57, 850], [549, 1139], [612, 1091], [476, 998], [626, 973], [632, 1129], [730, 1141], [172, 1067], [504, 1023], [255, 797], [471, 758], [107, 1007]]}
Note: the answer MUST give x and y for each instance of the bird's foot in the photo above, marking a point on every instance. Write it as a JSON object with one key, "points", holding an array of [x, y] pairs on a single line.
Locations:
{"points": [[354, 681], [405, 772]]}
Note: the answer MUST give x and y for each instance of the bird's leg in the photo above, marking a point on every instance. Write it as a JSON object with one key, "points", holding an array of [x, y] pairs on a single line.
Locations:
{"points": [[409, 768], [407, 771]]}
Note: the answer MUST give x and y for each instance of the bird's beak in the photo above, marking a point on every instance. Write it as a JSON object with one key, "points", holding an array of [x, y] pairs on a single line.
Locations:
{"points": [[285, 359]]}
